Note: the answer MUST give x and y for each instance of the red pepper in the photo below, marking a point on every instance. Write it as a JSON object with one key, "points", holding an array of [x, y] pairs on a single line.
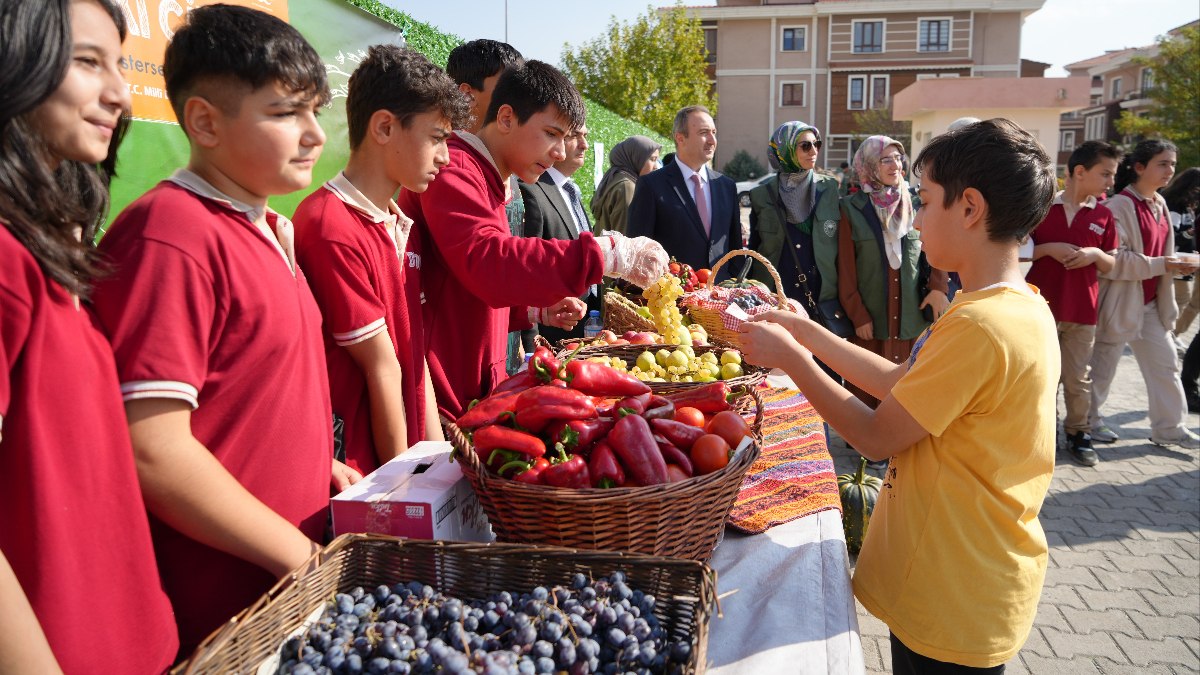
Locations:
{"points": [[605, 470], [639, 454], [519, 382], [681, 435], [498, 458], [673, 455], [567, 470], [676, 474], [542, 405], [530, 472], [544, 365], [489, 410], [494, 437], [711, 398], [599, 379], [551, 395], [659, 407], [580, 435], [637, 404]]}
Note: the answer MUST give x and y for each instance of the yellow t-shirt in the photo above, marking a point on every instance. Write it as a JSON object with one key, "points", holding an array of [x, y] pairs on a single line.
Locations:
{"points": [[955, 557]]}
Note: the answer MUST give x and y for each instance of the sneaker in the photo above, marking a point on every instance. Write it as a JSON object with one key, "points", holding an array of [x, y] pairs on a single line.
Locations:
{"points": [[1104, 434], [1186, 439], [1079, 444]]}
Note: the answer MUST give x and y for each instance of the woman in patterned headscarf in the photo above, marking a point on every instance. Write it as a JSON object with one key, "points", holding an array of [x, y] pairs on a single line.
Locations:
{"points": [[794, 216], [879, 254], [633, 157]]}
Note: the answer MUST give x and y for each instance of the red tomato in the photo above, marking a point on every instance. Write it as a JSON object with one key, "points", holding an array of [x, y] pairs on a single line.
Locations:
{"points": [[702, 275], [675, 268], [709, 453], [689, 416], [730, 426], [676, 474]]}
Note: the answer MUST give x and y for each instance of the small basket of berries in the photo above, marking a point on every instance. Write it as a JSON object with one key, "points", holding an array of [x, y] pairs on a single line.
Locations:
{"points": [[377, 604], [712, 307]]}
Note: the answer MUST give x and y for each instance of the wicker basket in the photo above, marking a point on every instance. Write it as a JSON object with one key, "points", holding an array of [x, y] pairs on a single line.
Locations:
{"points": [[712, 319], [681, 520], [754, 375], [684, 590], [619, 318]]}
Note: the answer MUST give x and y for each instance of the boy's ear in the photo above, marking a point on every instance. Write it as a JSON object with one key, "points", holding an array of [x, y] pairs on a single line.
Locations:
{"points": [[202, 122], [467, 89], [506, 118], [974, 208], [381, 125]]}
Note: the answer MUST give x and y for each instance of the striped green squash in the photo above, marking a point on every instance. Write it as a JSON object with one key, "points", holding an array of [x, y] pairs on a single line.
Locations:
{"points": [[858, 491]]}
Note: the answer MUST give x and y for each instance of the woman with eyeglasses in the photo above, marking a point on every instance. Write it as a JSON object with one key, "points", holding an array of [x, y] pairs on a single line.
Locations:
{"points": [[878, 256], [794, 217]]}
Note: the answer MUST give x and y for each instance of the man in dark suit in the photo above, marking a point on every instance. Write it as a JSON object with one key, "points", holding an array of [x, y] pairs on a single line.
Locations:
{"points": [[685, 206], [554, 210]]}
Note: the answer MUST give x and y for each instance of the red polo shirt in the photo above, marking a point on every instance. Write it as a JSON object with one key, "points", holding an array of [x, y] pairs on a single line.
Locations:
{"points": [[205, 307], [1072, 294], [74, 526], [1155, 229], [474, 270], [352, 254]]}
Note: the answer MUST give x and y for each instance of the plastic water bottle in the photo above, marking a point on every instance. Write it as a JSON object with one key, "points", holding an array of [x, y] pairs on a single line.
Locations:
{"points": [[593, 325]]}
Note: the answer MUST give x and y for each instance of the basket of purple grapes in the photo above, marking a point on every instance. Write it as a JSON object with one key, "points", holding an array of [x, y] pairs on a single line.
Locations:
{"points": [[376, 604]]}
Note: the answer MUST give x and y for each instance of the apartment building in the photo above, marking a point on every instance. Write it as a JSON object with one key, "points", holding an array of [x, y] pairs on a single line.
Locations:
{"points": [[822, 61]]}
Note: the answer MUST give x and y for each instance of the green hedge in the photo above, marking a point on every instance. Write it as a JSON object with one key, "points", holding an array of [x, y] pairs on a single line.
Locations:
{"points": [[604, 126]]}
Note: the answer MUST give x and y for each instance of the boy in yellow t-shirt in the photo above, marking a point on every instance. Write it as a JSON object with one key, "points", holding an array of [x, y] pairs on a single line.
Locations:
{"points": [[955, 557]]}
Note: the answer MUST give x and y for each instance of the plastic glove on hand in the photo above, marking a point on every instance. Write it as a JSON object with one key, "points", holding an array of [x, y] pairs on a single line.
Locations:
{"points": [[638, 260]]}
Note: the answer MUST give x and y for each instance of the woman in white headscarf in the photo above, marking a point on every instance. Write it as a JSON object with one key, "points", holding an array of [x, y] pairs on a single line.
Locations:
{"points": [[633, 157], [879, 255]]}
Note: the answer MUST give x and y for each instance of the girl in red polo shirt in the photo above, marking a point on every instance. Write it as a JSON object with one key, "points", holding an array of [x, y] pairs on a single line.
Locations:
{"points": [[79, 589]]}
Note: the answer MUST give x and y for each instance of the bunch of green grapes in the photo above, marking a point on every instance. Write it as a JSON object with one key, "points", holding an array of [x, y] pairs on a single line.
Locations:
{"points": [[664, 312], [612, 362]]}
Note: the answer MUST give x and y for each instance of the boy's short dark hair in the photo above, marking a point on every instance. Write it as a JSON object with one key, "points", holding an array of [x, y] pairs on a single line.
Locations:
{"points": [[1005, 163], [405, 83], [1089, 154], [532, 87], [475, 61], [237, 48]]}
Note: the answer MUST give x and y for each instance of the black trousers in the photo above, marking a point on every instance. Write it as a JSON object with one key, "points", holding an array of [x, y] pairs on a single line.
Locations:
{"points": [[907, 662]]}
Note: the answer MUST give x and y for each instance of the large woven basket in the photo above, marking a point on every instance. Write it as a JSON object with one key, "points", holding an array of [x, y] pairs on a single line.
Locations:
{"points": [[754, 375], [619, 317], [684, 590], [681, 520], [712, 320]]}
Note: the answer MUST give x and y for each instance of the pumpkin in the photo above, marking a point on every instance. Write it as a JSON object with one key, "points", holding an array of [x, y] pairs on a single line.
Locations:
{"points": [[859, 492]]}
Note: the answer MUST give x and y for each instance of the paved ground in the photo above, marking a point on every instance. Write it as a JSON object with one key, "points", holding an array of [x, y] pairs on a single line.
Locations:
{"points": [[1122, 592]]}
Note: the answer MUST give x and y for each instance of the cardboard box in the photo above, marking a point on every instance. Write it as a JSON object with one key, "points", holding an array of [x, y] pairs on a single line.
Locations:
{"points": [[421, 494]]}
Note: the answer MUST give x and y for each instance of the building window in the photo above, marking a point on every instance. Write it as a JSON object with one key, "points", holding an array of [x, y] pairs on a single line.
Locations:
{"points": [[1116, 88], [868, 37], [795, 39], [1093, 128], [934, 35], [1147, 80], [793, 94], [710, 44], [856, 98], [1067, 142], [879, 91]]}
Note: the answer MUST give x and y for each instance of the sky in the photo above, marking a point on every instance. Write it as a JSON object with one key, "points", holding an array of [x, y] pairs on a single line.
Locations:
{"points": [[1062, 32]]}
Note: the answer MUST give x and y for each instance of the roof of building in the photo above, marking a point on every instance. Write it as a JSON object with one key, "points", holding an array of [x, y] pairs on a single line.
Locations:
{"points": [[976, 93]]}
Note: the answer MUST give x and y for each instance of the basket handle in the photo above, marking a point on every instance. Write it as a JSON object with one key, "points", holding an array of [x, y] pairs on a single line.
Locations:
{"points": [[783, 301]]}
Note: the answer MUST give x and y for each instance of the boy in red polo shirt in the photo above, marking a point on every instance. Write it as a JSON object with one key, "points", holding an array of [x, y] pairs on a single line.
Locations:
{"points": [[1077, 238], [364, 265], [216, 335], [474, 270]]}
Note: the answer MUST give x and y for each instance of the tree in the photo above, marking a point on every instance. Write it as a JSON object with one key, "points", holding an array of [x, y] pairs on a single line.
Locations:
{"points": [[1176, 95], [645, 70], [743, 167], [879, 122]]}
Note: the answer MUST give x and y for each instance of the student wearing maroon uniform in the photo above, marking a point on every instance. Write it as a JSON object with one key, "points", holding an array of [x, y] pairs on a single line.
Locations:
{"points": [[216, 334], [79, 589], [1137, 299], [356, 248], [474, 270], [1077, 239]]}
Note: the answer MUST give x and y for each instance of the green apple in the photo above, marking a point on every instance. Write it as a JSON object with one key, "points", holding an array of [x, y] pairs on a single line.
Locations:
{"points": [[731, 356], [662, 356], [678, 359], [730, 371], [646, 361]]}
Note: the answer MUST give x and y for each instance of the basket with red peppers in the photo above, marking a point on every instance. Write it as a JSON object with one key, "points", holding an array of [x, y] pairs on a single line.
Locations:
{"points": [[577, 453]]}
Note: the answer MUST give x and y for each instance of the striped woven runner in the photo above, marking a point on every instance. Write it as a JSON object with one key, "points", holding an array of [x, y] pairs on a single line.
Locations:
{"points": [[794, 475]]}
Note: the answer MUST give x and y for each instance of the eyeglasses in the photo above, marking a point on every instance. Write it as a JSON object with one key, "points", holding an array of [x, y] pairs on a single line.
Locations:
{"points": [[809, 145], [891, 159]]}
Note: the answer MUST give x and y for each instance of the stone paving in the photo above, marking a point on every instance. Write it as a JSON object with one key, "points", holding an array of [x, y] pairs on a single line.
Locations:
{"points": [[1122, 592]]}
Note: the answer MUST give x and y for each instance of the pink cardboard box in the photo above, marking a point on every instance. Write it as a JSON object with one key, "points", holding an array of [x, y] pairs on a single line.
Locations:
{"points": [[421, 494]]}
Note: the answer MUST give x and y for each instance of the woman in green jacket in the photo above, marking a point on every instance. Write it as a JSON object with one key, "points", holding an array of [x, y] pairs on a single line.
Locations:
{"points": [[878, 257], [633, 157], [794, 217]]}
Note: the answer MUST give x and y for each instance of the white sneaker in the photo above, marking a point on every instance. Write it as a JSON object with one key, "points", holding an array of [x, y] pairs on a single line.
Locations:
{"points": [[1186, 439]]}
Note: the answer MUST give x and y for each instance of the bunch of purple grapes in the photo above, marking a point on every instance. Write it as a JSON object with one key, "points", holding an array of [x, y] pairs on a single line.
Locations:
{"points": [[600, 626]]}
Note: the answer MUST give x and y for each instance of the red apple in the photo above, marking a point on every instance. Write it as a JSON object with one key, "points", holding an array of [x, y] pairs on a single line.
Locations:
{"points": [[629, 335], [642, 338], [618, 341], [607, 335]]}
